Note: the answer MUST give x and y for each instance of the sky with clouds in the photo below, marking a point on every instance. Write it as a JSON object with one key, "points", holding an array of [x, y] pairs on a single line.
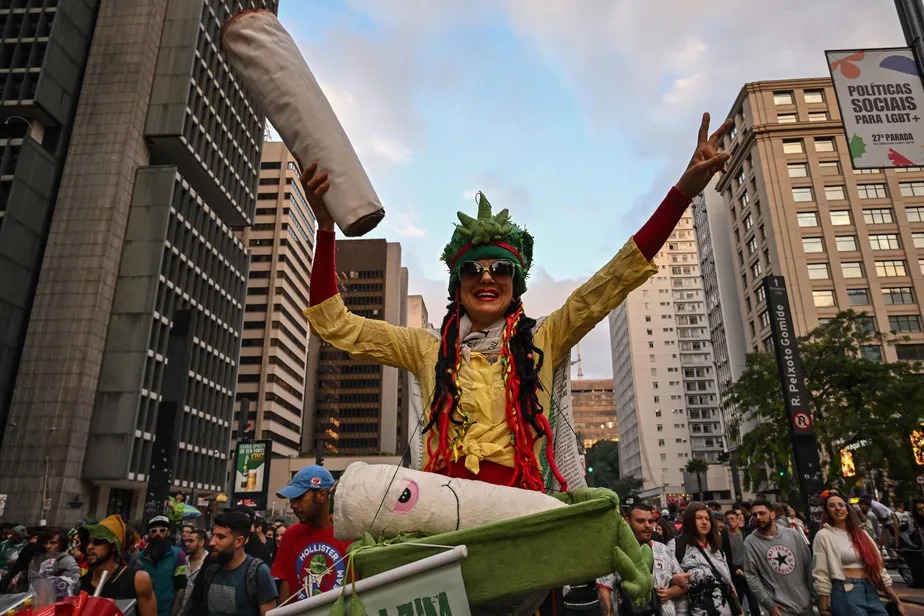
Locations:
{"points": [[577, 115]]}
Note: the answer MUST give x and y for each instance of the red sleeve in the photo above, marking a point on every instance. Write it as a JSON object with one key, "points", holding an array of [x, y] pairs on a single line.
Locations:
{"points": [[323, 270], [651, 237]]}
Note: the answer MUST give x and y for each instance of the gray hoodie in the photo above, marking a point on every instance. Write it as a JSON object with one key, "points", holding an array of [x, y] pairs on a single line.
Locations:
{"points": [[779, 570]]}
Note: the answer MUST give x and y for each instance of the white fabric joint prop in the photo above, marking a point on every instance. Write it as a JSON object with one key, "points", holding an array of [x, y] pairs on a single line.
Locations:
{"points": [[274, 73], [386, 500]]}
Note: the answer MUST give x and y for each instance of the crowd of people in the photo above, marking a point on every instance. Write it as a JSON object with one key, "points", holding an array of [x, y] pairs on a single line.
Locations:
{"points": [[759, 558], [243, 564]]}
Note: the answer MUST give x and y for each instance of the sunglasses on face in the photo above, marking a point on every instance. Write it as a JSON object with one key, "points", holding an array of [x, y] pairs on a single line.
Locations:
{"points": [[158, 531], [502, 269]]}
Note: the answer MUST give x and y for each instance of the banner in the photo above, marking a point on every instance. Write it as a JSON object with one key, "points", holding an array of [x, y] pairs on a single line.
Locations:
{"points": [[251, 472], [881, 98], [416, 589]]}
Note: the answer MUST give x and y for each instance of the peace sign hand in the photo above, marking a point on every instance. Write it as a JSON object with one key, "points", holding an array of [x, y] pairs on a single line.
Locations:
{"points": [[707, 159]]}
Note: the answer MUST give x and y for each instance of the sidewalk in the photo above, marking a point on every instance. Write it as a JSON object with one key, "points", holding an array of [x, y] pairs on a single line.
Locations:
{"points": [[915, 596]]}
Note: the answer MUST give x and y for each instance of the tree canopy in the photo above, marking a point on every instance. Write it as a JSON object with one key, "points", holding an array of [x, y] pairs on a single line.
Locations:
{"points": [[852, 399], [602, 462]]}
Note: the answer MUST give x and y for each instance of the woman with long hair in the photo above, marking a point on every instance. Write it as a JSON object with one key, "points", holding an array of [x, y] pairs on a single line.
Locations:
{"points": [[699, 551], [486, 375], [849, 572]]}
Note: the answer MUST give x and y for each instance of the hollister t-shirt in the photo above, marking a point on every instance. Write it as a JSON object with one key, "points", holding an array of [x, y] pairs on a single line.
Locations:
{"points": [[311, 555]]}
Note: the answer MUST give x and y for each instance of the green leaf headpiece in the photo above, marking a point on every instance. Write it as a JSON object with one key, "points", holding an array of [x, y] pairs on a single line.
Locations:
{"points": [[489, 237]]}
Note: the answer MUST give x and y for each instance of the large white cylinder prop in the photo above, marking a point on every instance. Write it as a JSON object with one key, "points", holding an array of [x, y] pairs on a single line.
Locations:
{"points": [[387, 500], [268, 62]]}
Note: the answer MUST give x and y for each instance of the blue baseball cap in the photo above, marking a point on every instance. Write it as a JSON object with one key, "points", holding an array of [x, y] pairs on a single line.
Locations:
{"points": [[309, 478]]}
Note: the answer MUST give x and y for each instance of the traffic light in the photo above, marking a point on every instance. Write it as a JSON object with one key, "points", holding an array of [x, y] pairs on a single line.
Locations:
{"points": [[590, 469], [782, 474]]}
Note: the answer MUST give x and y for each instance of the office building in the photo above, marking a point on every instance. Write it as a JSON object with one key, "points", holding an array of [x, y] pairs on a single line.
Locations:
{"points": [[594, 410], [664, 376], [42, 61], [360, 408], [274, 345], [129, 364], [841, 238]]}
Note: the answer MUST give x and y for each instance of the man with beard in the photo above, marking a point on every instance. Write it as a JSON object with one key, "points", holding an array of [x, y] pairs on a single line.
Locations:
{"points": [[166, 564], [232, 583], [104, 550], [670, 582], [778, 565], [194, 543], [311, 541]]}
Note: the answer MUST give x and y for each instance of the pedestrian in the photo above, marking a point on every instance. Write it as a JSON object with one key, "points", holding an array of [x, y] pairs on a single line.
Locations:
{"points": [[166, 564], [849, 572], [233, 583], [10, 548], [54, 565], [779, 512], [778, 565], [194, 545], [16, 578], [733, 549], [310, 559], [795, 520], [670, 582], [698, 549], [104, 553], [889, 533], [271, 544], [254, 546]]}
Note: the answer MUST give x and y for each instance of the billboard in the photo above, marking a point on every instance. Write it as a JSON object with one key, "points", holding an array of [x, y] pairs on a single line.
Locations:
{"points": [[881, 98], [251, 472]]}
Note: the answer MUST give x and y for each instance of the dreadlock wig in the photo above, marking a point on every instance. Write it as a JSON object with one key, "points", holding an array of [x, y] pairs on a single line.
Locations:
{"points": [[485, 237]]}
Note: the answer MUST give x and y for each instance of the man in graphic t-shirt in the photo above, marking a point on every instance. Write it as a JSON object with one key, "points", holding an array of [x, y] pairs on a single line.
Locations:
{"points": [[310, 560]]}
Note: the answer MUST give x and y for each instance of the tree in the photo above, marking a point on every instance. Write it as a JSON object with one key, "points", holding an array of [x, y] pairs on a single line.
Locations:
{"points": [[849, 395], [697, 466], [602, 462]]}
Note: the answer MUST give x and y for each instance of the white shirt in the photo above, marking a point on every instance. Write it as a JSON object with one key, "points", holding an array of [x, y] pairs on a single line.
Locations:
{"points": [[665, 566]]}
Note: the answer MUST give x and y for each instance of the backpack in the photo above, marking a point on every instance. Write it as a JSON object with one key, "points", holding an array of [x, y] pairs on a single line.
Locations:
{"points": [[250, 579], [680, 548]]}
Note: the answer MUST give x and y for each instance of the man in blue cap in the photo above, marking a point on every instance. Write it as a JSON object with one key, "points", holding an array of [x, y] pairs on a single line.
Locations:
{"points": [[309, 560]]}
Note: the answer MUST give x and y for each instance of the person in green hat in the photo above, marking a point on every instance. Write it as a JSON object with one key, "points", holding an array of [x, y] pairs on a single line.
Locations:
{"points": [[486, 374], [104, 554]]}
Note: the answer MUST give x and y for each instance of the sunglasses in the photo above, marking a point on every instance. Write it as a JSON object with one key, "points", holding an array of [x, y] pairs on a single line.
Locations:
{"points": [[502, 269], [158, 531]]}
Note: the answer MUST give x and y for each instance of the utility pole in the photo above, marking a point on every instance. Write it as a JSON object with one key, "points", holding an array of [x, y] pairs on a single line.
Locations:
{"points": [[911, 16]]}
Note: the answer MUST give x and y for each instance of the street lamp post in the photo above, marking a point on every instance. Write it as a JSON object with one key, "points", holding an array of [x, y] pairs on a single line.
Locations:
{"points": [[43, 504]]}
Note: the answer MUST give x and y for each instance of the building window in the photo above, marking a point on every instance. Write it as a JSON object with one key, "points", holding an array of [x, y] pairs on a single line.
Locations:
{"points": [[660, 442], [813, 244], [814, 96], [914, 214], [872, 191], [752, 246], [818, 116], [895, 296], [782, 98], [878, 216], [840, 217], [806, 219], [911, 189], [830, 167], [886, 241], [852, 269], [904, 323], [797, 170], [792, 146], [765, 318], [824, 144], [802, 193], [864, 325], [786, 118], [891, 267], [818, 271], [858, 297], [823, 299], [748, 222], [871, 352], [760, 294], [755, 270], [910, 352], [835, 193], [845, 243]]}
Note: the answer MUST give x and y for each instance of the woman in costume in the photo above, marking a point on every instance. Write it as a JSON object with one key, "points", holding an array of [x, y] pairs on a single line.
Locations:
{"points": [[487, 378]]}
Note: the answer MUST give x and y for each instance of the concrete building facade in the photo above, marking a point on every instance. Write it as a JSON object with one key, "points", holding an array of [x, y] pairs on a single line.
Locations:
{"points": [[274, 345], [842, 238], [360, 408], [593, 405], [130, 360], [664, 376]]}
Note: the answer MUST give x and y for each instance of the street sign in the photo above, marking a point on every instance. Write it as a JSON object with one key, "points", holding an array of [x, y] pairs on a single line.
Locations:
{"points": [[802, 421], [46, 504], [920, 480]]}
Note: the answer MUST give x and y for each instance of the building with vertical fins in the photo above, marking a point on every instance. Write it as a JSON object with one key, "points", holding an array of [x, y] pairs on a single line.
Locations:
{"points": [[130, 361], [274, 345]]}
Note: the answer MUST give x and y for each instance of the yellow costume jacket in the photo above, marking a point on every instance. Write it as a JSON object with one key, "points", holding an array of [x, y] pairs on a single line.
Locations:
{"points": [[480, 382]]}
